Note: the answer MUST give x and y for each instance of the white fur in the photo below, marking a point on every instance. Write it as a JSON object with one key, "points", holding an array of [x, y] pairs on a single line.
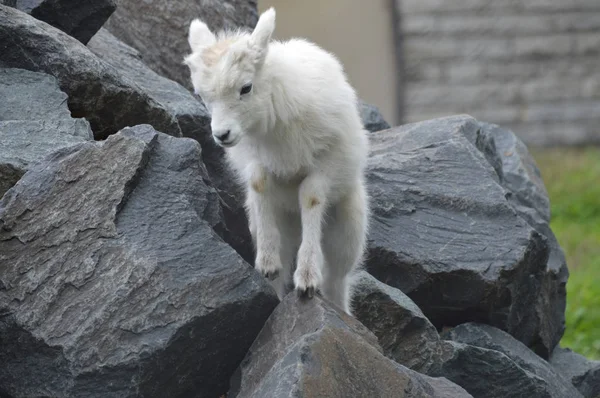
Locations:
{"points": [[297, 143]]}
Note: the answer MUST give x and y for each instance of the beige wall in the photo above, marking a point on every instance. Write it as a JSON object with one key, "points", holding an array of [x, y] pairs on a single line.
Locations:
{"points": [[531, 66], [359, 32]]}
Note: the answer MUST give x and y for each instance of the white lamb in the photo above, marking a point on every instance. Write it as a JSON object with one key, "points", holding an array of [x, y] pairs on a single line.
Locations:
{"points": [[289, 121]]}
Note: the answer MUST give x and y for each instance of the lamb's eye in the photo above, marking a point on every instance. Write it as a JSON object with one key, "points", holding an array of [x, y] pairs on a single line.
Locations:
{"points": [[246, 88]]}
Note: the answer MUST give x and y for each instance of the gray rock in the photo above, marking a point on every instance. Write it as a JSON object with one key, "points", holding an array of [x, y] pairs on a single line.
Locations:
{"points": [[407, 337], [158, 28], [80, 19], [484, 141], [528, 196], [9, 174], [34, 121], [519, 171], [106, 99], [194, 122], [309, 349], [191, 114], [582, 372], [405, 334], [489, 374], [444, 233], [371, 117], [113, 280], [492, 338]]}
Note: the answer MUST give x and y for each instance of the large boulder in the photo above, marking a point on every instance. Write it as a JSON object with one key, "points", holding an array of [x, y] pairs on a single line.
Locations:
{"points": [[582, 372], [405, 334], [371, 117], [527, 194], [308, 349], [486, 373], [34, 121], [194, 122], [158, 28], [113, 281], [80, 19], [489, 337], [444, 233], [96, 91]]}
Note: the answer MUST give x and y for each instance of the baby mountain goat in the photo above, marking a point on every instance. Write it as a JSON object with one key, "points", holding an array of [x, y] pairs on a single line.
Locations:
{"points": [[289, 121]]}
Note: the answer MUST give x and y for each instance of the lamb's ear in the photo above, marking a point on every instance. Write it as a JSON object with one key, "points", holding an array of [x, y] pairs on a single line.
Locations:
{"points": [[200, 36], [259, 40]]}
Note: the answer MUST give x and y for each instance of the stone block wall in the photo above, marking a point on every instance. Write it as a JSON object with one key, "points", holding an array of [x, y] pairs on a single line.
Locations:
{"points": [[532, 65]]}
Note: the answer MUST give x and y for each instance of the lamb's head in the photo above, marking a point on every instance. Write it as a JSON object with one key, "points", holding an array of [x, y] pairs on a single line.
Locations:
{"points": [[226, 71]]}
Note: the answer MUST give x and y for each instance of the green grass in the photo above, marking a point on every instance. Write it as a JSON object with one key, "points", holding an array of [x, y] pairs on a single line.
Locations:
{"points": [[572, 177]]}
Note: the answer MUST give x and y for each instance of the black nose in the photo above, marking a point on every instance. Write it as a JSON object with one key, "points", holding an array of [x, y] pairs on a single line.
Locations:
{"points": [[224, 137]]}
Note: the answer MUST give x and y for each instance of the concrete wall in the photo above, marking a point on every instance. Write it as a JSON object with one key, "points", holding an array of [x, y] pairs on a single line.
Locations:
{"points": [[358, 32], [531, 65]]}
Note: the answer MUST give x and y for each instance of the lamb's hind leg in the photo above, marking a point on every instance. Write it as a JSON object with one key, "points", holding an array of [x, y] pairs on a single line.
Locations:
{"points": [[344, 241]]}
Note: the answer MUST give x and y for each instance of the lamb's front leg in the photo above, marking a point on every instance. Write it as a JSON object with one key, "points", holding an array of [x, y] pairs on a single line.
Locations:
{"points": [[264, 225], [313, 201]]}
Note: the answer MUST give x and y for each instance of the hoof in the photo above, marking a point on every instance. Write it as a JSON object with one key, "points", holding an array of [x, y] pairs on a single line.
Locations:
{"points": [[271, 275], [306, 293]]}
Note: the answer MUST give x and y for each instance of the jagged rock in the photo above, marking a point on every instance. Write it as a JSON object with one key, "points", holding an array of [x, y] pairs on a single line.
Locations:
{"points": [[80, 19], [528, 196], [407, 337], [492, 338], [106, 99], [194, 122], [582, 372], [34, 121], [444, 233], [307, 348], [520, 174], [405, 334], [191, 114], [113, 280], [371, 117], [158, 28], [488, 373]]}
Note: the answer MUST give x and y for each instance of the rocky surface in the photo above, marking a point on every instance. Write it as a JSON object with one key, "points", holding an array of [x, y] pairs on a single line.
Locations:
{"points": [[582, 372], [492, 338], [194, 122], [407, 337], [80, 19], [444, 233], [372, 119], [307, 348], [527, 194], [520, 174], [158, 28], [405, 334], [34, 122], [106, 99], [114, 282], [488, 373]]}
